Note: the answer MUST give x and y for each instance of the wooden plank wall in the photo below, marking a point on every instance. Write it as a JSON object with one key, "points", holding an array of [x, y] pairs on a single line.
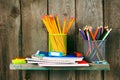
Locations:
{"points": [[9, 37], [112, 17], [22, 33], [34, 34]]}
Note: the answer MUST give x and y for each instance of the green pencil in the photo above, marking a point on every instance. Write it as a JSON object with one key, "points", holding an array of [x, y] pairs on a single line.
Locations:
{"points": [[107, 34]]}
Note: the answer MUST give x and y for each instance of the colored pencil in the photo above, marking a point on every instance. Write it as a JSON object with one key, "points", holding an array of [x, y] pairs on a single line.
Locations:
{"points": [[58, 23], [83, 34], [96, 32], [69, 25], [53, 26], [64, 25]]}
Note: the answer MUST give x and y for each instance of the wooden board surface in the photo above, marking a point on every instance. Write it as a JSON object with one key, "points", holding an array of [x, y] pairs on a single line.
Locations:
{"points": [[9, 37], [112, 56], [34, 33], [88, 12], [28, 66], [112, 18]]}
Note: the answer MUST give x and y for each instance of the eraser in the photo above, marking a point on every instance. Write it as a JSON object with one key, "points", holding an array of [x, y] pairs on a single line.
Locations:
{"points": [[55, 54], [18, 61]]}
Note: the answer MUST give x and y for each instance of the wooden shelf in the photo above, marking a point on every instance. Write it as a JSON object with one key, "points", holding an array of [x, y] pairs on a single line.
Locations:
{"points": [[36, 67]]}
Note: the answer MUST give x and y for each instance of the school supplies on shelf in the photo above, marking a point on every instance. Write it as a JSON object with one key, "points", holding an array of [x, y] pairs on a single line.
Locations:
{"points": [[57, 33], [94, 42], [56, 59], [68, 60], [100, 62], [97, 52], [57, 43], [100, 33], [55, 54], [19, 61], [52, 24], [77, 64], [78, 54]]}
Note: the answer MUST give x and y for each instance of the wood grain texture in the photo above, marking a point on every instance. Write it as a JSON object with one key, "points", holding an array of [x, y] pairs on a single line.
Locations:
{"points": [[88, 12], [111, 18], [113, 55], [28, 66], [3, 55], [62, 75], [64, 8], [34, 33], [111, 13], [9, 30]]}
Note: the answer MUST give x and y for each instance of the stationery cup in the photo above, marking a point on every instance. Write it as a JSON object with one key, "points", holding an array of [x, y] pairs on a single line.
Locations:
{"points": [[58, 43], [94, 50]]}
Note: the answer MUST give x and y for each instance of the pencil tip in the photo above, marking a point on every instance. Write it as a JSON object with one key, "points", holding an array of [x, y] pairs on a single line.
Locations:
{"points": [[79, 29], [56, 14]]}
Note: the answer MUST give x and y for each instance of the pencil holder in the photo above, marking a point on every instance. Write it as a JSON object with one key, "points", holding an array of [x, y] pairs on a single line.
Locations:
{"points": [[94, 50], [58, 43]]}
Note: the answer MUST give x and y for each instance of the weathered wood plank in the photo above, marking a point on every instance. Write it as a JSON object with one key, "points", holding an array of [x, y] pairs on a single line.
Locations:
{"points": [[64, 8], [62, 75], [112, 18], [9, 26], [112, 55], [3, 54], [88, 12], [111, 13], [34, 33], [36, 67]]}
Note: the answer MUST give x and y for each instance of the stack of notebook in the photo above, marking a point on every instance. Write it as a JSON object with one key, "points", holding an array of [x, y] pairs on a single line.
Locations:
{"points": [[45, 60]]}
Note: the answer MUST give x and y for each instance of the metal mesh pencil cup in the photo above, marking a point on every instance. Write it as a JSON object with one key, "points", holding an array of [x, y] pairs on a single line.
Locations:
{"points": [[94, 50], [58, 43]]}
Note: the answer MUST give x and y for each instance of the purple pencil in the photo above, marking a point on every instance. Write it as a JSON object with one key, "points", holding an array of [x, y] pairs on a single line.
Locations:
{"points": [[83, 34]]}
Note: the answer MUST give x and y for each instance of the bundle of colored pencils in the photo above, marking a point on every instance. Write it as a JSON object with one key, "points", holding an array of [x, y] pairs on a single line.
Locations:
{"points": [[100, 33], [53, 24], [95, 40], [57, 33]]}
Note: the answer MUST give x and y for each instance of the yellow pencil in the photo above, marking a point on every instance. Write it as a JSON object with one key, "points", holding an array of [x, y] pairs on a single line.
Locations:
{"points": [[58, 23], [51, 24], [54, 26], [56, 38], [46, 24]]}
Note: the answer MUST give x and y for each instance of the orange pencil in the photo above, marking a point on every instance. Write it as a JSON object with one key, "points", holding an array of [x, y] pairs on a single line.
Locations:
{"points": [[96, 32], [64, 25], [91, 34], [69, 25]]}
